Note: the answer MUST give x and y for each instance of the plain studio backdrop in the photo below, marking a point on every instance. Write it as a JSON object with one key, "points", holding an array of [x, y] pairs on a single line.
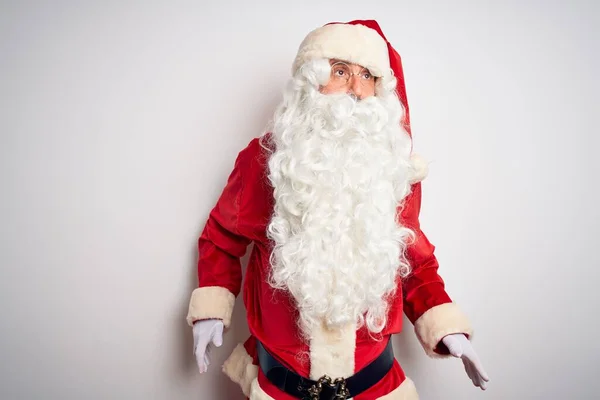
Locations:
{"points": [[120, 122]]}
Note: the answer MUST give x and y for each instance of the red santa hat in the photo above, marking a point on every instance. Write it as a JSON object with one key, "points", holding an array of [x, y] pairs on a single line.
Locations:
{"points": [[360, 42]]}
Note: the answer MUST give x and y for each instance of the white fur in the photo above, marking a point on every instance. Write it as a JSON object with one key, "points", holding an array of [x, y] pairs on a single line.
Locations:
{"points": [[332, 351], [257, 393], [340, 170], [239, 368], [358, 44], [438, 322], [211, 302], [420, 168]]}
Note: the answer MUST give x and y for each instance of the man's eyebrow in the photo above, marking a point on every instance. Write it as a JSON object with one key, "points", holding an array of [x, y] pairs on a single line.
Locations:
{"points": [[336, 60]]}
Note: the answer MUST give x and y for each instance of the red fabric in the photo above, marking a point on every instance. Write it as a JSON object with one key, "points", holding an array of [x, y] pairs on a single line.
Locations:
{"points": [[424, 288]]}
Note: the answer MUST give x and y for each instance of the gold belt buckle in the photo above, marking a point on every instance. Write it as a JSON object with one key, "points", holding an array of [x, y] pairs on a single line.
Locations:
{"points": [[339, 384]]}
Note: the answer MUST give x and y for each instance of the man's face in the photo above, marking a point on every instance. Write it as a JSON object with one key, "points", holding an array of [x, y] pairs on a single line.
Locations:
{"points": [[349, 78]]}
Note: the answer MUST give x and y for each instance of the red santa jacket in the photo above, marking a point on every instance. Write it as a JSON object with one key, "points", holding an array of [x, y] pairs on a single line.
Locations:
{"points": [[239, 218]]}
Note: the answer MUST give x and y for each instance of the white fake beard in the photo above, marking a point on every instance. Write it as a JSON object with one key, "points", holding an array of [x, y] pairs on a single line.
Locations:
{"points": [[339, 172]]}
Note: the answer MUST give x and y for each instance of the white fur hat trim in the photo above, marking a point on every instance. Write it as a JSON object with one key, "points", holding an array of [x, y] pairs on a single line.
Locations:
{"points": [[356, 44]]}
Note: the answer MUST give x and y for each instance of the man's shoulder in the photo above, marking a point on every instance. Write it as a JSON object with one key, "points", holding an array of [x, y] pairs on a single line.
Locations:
{"points": [[257, 150]]}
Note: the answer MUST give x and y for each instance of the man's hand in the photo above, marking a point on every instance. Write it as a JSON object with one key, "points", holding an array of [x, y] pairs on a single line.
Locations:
{"points": [[460, 347], [207, 332]]}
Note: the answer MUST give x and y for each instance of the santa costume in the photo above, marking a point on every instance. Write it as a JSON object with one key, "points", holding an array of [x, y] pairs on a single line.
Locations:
{"points": [[330, 199]]}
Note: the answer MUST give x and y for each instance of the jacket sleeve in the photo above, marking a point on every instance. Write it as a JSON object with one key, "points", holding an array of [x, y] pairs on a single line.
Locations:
{"points": [[220, 248], [425, 301]]}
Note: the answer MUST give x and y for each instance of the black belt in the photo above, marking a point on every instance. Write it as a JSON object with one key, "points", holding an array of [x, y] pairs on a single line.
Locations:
{"points": [[325, 388]]}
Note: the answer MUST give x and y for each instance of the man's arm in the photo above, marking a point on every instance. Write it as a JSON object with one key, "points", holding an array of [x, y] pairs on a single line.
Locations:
{"points": [[425, 301], [220, 248]]}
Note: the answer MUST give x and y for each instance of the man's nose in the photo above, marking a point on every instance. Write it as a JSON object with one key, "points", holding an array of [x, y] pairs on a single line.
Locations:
{"points": [[356, 86]]}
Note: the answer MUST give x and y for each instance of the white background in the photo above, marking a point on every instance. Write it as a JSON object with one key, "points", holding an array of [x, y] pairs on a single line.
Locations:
{"points": [[120, 122]]}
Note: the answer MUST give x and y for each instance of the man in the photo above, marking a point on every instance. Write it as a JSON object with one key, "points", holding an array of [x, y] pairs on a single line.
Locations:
{"points": [[330, 197]]}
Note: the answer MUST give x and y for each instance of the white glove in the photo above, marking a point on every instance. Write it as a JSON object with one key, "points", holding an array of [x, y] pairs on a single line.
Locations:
{"points": [[207, 332], [460, 347]]}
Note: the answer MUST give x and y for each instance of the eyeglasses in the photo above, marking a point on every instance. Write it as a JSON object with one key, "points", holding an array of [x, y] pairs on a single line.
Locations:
{"points": [[341, 74]]}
